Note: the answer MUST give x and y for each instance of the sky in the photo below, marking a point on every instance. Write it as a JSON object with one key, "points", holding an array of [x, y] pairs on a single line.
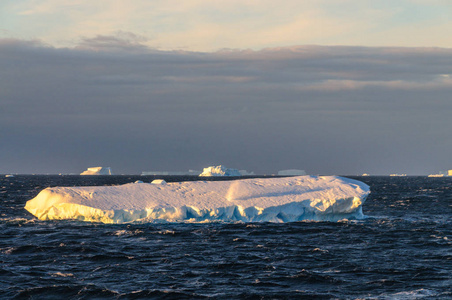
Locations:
{"points": [[335, 87]]}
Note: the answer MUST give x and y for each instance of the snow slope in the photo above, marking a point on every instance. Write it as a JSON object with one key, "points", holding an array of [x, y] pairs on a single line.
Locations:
{"points": [[287, 199]]}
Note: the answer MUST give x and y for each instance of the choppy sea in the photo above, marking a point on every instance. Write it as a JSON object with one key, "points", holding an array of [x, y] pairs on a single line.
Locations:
{"points": [[402, 250]]}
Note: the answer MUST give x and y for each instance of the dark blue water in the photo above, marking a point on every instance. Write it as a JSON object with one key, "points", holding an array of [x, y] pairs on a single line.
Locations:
{"points": [[403, 250]]}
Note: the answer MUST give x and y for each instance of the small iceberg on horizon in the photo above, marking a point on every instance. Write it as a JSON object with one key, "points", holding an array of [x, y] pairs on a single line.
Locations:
{"points": [[97, 171], [284, 199], [291, 172], [167, 173]]}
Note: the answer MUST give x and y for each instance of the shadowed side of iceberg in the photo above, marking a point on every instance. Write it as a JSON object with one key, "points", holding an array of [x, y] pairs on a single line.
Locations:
{"points": [[291, 212]]}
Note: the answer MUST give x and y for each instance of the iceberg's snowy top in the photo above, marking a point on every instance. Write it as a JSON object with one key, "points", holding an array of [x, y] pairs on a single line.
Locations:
{"points": [[219, 171], [97, 171], [292, 172], [249, 200]]}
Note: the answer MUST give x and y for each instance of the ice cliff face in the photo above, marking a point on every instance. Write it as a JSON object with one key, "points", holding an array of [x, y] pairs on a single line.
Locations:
{"points": [[97, 171], [287, 199], [220, 171]]}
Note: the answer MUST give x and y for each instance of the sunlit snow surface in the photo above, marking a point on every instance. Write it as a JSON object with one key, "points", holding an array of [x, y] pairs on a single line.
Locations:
{"points": [[323, 198]]}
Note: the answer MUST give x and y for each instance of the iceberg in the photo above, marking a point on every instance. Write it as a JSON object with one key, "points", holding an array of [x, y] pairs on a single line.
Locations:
{"points": [[447, 173], [165, 173], [278, 199], [291, 172], [219, 171], [97, 171], [246, 173]]}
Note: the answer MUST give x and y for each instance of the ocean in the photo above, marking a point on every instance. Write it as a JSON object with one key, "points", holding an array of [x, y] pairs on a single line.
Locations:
{"points": [[401, 250]]}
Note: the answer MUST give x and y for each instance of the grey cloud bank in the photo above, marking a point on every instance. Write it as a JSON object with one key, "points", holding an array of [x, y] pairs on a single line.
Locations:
{"points": [[328, 110]]}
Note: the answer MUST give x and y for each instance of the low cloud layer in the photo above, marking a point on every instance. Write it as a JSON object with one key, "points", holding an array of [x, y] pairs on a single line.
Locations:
{"points": [[205, 25], [111, 101]]}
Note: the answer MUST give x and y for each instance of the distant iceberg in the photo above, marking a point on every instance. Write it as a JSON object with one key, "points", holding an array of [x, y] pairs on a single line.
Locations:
{"points": [[164, 173], [220, 171], [322, 198], [442, 174], [97, 171], [291, 172], [246, 173]]}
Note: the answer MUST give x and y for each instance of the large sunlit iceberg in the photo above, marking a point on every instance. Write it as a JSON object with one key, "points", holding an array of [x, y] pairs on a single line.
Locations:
{"points": [[327, 198]]}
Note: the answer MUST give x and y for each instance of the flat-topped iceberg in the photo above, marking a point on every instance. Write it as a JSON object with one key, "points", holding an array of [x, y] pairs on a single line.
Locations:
{"points": [[166, 173], [291, 172], [322, 198], [97, 171]]}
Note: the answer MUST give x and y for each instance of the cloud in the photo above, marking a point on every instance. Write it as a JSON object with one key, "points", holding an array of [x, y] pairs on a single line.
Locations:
{"points": [[204, 25], [441, 82], [121, 41], [113, 101]]}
